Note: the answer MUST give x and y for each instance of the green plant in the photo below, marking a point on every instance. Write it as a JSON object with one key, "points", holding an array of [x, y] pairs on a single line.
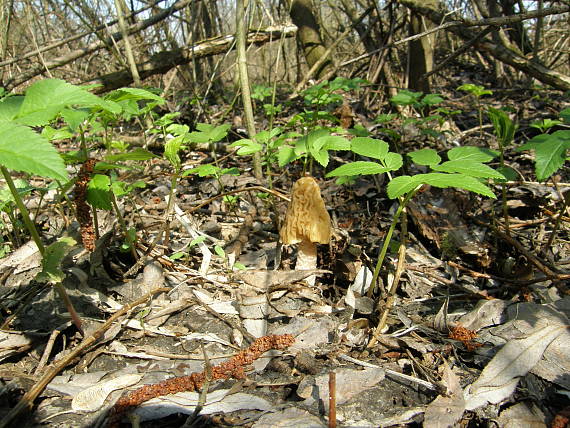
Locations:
{"points": [[476, 91], [505, 130], [464, 170], [550, 149]]}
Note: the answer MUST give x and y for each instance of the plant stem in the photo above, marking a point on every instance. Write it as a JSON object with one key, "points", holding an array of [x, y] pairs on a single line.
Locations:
{"points": [[556, 224], [24, 211], [388, 238], [41, 248]]}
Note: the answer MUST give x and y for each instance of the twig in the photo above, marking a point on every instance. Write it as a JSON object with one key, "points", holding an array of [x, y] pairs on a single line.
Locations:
{"points": [[332, 399], [391, 373], [49, 346], [27, 401]]}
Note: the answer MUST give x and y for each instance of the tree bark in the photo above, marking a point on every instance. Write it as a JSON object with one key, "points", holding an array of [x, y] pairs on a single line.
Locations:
{"points": [[309, 35], [420, 52]]}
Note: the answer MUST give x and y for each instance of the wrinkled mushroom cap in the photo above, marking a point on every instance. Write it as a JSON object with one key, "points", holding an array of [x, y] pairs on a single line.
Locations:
{"points": [[307, 218]]}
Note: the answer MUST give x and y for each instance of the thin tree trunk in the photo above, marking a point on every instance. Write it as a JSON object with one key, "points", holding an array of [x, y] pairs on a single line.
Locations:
{"points": [[241, 18]]}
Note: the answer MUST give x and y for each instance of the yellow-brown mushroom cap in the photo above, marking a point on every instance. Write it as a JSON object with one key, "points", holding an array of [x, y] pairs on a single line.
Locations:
{"points": [[307, 217]]}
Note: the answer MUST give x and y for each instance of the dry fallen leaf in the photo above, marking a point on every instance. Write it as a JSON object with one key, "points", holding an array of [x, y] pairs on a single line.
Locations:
{"points": [[516, 358]]}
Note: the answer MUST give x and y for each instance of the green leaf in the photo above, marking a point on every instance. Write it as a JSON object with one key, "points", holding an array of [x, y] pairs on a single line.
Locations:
{"points": [[469, 167], [365, 146], [10, 106], [171, 149], [550, 152], [286, 155], [476, 90], [432, 99], [220, 251], [406, 98], [509, 173], [135, 94], [393, 161], [400, 186], [247, 147], [138, 154], [22, 149], [504, 126], [46, 98], [51, 261], [459, 181], [565, 115], [74, 118], [479, 154], [426, 157], [321, 156], [196, 241], [98, 192], [334, 142], [358, 168]]}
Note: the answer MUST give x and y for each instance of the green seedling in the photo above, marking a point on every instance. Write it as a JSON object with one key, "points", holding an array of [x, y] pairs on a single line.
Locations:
{"points": [[476, 91]]}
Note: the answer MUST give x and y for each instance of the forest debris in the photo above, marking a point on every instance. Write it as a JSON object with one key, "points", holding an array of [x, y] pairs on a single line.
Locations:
{"points": [[287, 418], [500, 377], [12, 343], [93, 398], [522, 415], [447, 409], [218, 401], [234, 367], [351, 382]]}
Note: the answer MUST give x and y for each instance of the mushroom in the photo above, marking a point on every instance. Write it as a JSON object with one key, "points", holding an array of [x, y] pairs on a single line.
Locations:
{"points": [[307, 223]]}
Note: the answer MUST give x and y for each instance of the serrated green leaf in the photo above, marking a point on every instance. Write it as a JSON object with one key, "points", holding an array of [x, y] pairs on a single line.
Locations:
{"points": [[177, 129], [247, 147], [138, 154], [98, 192], [393, 161], [358, 168], [459, 181], [469, 167], [509, 173], [135, 94], [321, 156], [479, 154], [51, 262], [10, 106], [550, 152], [432, 99], [425, 157], [400, 186], [334, 142], [286, 155], [370, 147], [46, 98], [74, 118], [22, 149]]}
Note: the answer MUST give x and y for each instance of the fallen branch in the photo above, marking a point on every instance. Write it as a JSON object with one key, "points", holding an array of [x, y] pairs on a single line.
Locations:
{"points": [[27, 401]]}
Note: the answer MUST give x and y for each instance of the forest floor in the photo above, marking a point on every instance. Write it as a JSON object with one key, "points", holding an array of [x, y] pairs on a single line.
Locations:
{"points": [[470, 287]]}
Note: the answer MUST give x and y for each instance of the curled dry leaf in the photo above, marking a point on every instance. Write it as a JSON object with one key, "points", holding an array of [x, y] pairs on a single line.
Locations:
{"points": [[92, 398]]}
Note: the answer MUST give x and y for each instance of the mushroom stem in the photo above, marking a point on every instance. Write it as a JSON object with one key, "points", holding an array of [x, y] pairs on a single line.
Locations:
{"points": [[307, 259]]}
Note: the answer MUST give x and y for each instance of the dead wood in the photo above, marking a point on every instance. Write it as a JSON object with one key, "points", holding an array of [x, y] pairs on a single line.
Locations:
{"points": [[40, 67], [166, 60], [506, 54]]}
